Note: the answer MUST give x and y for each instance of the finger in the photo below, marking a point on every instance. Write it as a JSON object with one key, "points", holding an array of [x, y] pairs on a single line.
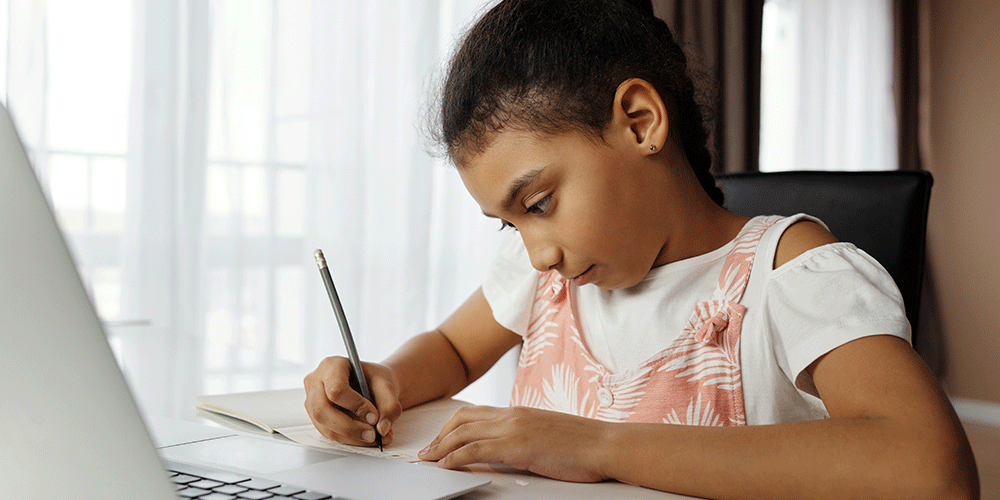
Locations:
{"points": [[337, 386], [480, 451], [334, 424], [462, 435], [387, 401], [387, 438], [465, 415]]}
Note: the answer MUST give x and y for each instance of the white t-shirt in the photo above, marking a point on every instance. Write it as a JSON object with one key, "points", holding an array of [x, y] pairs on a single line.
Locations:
{"points": [[818, 301]]}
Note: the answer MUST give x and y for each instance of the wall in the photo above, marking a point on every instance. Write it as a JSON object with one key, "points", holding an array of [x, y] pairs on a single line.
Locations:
{"points": [[961, 146]]}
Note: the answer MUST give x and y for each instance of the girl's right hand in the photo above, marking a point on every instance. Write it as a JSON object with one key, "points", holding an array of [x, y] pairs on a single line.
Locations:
{"points": [[344, 415]]}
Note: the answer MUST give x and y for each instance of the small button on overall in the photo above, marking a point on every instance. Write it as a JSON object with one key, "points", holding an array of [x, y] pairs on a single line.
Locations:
{"points": [[605, 397]]}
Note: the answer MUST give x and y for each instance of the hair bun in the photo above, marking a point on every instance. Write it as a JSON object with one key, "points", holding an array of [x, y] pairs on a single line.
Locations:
{"points": [[646, 6]]}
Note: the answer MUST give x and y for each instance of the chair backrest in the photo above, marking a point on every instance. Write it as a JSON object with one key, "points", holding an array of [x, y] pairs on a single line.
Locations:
{"points": [[883, 213]]}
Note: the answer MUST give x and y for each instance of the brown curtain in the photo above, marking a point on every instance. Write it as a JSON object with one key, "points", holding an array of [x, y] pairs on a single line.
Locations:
{"points": [[908, 95], [722, 40], [906, 81]]}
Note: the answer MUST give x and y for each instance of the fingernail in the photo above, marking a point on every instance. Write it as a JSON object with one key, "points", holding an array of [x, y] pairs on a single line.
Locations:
{"points": [[372, 418], [368, 436], [384, 426], [424, 451]]}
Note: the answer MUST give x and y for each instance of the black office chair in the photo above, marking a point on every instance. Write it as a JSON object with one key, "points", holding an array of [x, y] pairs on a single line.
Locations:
{"points": [[883, 213]]}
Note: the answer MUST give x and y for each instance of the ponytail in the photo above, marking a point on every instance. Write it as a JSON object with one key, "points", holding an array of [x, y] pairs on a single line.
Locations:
{"points": [[690, 119]]}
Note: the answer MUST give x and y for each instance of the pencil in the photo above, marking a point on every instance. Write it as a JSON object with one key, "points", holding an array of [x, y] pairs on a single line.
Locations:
{"points": [[345, 331]]}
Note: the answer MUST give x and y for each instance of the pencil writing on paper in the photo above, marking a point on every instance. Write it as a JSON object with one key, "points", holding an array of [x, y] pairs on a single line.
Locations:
{"points": [[345, 331]]}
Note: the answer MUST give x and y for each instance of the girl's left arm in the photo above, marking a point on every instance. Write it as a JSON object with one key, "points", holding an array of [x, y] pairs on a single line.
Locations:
{"points": [[892, 433]]}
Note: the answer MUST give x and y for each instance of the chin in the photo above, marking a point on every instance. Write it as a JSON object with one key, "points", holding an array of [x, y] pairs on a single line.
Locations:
{"points": [[619, 285]]}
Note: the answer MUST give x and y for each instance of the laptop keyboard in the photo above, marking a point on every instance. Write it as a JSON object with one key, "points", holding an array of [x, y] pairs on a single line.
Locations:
{"points": [[209, 484]]}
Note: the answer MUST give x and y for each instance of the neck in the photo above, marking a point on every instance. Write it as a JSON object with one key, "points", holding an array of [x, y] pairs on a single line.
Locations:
{"points": [[703, 227]]}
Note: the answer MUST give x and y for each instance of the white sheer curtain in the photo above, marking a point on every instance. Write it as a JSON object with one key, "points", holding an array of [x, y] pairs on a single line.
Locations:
{"points": [[826, 86], [197, 152]]}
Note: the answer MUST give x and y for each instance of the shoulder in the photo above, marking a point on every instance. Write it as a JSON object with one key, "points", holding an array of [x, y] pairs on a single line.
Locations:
{"points": [[800, 237], [511, 258], [510, 284]]}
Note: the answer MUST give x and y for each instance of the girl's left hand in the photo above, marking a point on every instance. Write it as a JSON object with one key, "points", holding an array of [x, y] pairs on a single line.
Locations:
{"points": [[556, 445]]}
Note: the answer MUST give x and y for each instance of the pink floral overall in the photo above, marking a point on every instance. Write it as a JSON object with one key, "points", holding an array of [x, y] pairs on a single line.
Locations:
{"points": [[695, 380]]}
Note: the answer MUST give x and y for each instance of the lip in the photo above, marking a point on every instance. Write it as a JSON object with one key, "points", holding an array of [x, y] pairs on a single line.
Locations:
{"points": [[584, 277]]}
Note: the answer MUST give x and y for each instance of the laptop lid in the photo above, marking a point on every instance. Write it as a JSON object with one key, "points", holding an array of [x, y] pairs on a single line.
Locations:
{"points": [[70, 428]]}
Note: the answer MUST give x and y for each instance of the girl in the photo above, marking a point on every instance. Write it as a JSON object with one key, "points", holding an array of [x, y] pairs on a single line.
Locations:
{"points": [[640, 303]]}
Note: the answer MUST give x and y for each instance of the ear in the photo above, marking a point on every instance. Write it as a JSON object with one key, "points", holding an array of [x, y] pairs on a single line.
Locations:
{"points": [[641, 115]]}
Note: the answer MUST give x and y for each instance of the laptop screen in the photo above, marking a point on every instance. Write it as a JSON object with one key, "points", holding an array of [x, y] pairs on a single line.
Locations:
{"points": [[70, 428]]}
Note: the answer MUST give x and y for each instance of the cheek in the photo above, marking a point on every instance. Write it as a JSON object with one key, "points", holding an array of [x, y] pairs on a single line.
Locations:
{"points": [[589, 224], [613, 228]]}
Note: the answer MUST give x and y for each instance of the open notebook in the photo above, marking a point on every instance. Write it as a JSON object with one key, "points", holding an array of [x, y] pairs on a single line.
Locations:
{"points": [[282, 412]]}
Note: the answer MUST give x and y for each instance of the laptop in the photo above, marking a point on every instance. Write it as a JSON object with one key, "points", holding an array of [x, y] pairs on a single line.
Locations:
{"points": [[70, 428]]}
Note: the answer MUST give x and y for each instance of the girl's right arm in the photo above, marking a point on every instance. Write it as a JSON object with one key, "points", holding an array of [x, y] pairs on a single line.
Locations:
{"points": [[435, 364]]}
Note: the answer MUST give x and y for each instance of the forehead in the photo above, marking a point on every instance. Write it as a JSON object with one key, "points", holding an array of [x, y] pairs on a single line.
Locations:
{"points": [[511, 154]]}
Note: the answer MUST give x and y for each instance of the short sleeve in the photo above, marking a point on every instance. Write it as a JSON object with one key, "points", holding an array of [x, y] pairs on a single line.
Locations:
{"points": [[825, 298], [510, 284]]}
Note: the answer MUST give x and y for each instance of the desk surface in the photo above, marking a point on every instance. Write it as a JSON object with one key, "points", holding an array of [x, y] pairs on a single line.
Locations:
{"points": [[505, 481], [511, 483]]}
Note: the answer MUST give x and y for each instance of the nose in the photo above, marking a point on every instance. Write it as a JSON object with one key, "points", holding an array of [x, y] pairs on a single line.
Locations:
{"points": [[543, 253]]}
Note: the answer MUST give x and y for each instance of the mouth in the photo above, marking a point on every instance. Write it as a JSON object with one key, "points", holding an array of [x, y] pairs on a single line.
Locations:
{"points": [[584, 277]]}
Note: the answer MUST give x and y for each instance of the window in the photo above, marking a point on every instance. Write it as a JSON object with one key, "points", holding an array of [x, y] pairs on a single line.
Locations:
{"points": [[197, 152], [75, 127], [826, 86]]}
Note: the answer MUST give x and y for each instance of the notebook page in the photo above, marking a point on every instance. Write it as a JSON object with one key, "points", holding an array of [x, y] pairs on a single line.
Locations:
{"points": [[414, 429], [269, 410]]}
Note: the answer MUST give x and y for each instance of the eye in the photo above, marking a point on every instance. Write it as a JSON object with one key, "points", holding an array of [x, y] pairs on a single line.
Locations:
{"points": [[541, 207], [506, 225]]}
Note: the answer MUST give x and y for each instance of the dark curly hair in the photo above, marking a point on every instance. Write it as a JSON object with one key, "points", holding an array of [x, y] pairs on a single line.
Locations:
{"points": [[552, 65]]}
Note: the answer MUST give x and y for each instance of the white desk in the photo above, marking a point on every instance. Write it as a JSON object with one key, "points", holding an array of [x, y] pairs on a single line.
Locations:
{"points": [[510, 483], [506, 482]]}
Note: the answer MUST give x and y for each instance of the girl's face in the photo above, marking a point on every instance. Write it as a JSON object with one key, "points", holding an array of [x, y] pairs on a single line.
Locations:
{"points": [[596, 212]]}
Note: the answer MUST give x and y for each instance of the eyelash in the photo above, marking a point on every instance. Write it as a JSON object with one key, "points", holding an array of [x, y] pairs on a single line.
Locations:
{"points": [[536, 209]]}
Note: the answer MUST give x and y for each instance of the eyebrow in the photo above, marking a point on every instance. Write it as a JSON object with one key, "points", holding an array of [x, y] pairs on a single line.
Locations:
{"points": [[516, 186]]}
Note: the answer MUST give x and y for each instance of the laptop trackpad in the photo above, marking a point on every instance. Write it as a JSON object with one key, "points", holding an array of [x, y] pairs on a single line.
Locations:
{"points": [[253, 455]]}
